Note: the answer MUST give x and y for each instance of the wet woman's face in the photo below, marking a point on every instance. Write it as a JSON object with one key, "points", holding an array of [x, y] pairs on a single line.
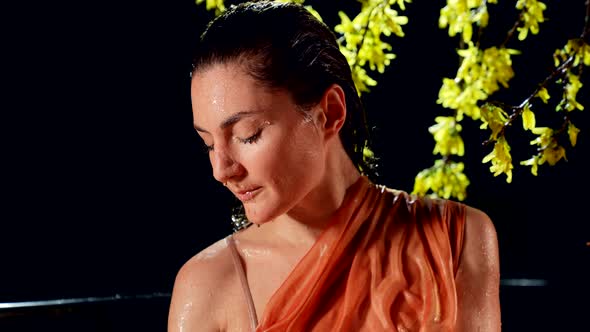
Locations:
{"points": [[261, 146]]}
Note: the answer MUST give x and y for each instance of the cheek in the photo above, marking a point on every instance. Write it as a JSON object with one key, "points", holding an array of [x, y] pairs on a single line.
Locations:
{"points": [[285, 158], [307, 146], [297, 158]]}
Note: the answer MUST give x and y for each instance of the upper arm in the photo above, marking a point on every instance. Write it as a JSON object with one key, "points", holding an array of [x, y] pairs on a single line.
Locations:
{"points": [[478, 276], [193, 304]]}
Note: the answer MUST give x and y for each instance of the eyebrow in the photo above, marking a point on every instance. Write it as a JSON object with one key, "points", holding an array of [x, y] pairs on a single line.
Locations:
{"points": [[230, 120]]}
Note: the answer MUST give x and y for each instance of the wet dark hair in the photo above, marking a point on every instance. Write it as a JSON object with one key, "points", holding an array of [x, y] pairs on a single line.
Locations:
{"points": [[283, 46]]}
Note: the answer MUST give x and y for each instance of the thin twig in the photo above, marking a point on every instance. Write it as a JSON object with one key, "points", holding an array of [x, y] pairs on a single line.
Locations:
{"points": [[511, 31], [557, 72]]}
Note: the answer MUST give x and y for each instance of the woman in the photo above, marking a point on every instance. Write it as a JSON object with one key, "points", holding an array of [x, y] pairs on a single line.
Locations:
{"points": [[275, 104]]}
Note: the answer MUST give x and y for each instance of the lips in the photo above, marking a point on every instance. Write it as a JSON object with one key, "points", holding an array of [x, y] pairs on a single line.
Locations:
{"points": [[249, 194]]}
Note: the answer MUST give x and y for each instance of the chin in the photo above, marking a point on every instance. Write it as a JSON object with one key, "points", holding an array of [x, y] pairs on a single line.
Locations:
{"points": [[259, 215], [258, 219]]}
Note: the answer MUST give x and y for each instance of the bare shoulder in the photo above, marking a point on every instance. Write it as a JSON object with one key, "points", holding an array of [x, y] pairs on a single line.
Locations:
{"points": [[198, 292], [478, 276], [480, 244]]}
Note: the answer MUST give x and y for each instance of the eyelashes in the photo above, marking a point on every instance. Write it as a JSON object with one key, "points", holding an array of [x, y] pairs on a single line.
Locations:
{"points": [[251, 139], [248, 140], [207, 148]]}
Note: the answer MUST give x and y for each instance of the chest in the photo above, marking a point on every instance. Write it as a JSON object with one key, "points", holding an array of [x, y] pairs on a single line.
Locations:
{"points": [[266, 275], [265, 271]]}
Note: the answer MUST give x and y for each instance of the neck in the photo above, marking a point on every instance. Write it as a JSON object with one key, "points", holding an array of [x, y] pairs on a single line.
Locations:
{"points": [[302, 225]]}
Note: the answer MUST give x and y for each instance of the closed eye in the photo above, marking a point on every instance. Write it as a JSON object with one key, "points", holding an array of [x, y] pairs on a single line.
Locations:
{"points": [[251, 139], [207, 148]]}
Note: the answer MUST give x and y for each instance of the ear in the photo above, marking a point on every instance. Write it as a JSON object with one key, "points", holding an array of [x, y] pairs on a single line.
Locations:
{"points": [[333, 110]]}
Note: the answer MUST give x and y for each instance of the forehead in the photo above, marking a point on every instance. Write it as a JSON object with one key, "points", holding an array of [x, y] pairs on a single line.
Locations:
{"points": [[218, 76], [224, 83], [225, 89]]}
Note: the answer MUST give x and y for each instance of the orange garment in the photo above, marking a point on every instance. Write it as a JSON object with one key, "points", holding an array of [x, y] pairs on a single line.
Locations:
{"points": [[386, 262]]}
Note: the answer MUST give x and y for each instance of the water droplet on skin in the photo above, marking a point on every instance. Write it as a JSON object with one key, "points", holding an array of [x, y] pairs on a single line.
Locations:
{"points": [[183, 316], [212, 251], [255, 253]]}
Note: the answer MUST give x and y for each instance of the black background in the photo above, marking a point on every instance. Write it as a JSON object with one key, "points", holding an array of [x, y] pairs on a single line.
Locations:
{"points": [[106, 189]]}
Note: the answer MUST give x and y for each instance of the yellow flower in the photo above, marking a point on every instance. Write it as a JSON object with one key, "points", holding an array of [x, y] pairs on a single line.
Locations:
{"points": [[457, 16], [217, 5], [368, 153], [534, 163], [448, 93], [553, 155], [572, 132], [495, 118], [392, 22], [478, 76], [496, 66], [362, 80], [580, 50], [501, 159], [531, 17], [361, 41], [559, 56], [528, 118], [571, 91], [544, 138], [467, 101], [447, 138], [314, 12], [543, 94], [400, 3], [444, 179]]}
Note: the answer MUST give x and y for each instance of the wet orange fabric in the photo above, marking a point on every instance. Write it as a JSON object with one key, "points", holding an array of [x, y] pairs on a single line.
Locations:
{"points": [[385, 263]]}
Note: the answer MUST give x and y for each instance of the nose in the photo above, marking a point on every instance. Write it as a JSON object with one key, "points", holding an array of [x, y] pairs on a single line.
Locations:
{"points": [[225, 167]]}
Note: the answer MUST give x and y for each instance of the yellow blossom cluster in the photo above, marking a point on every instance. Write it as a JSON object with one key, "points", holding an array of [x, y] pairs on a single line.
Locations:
{"points": [[480, 74], [550, 151], [576, 52], [444, 179], [446, 135], [494, 118], [361, 41], [460, 15], [576, 48], [501, 159], [570, 92], [532, 15]]}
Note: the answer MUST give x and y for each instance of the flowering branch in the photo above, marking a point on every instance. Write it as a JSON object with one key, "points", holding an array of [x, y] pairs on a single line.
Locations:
{"points": [[517, 110]]}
